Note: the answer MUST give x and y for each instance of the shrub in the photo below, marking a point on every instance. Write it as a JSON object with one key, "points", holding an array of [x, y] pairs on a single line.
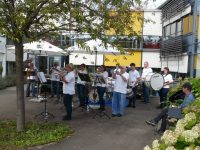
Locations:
{"points": [[186, 135], [8, 81]]}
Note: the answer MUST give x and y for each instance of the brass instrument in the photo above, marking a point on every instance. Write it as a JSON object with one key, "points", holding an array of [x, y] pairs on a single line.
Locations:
{"points": [[62, 74]]}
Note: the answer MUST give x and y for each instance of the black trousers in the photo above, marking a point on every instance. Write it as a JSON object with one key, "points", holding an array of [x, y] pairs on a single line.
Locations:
{"points": [[67, 100], [133, 99], [162, 115]]}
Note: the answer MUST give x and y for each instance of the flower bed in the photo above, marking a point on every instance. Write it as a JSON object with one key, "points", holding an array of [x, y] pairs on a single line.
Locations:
{"points": [[186, 134]]}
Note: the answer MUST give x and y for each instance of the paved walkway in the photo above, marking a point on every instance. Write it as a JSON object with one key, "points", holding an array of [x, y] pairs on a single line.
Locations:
{"points": [[126, 133]]}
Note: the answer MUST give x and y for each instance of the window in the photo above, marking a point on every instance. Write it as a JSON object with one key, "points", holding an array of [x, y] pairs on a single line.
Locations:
{"points": [[173, 30], [151, 42], [126, 42], [167, 32], [179, 28]]}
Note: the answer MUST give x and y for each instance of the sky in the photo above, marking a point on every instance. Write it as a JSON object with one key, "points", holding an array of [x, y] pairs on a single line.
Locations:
{"points": [[153, 5]]}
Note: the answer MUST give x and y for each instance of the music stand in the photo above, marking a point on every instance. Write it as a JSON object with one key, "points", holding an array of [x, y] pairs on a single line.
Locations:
{"points": [[44, 113], [86, 78]]}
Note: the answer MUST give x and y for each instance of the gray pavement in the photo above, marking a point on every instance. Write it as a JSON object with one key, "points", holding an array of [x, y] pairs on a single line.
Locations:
{"points": [[128, 132]]}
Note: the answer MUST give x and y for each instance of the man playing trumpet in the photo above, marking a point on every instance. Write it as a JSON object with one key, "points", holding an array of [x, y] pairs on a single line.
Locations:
{"points": [[68, 79], [120, 88]]}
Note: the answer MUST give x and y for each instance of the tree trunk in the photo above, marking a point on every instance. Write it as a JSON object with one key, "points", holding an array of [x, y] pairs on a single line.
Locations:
{"points": [[20, 85]]}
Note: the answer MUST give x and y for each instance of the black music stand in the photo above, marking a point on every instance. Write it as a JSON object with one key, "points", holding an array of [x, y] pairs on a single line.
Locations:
{"points": [[44, 113], [99, 112], [86, 78]]}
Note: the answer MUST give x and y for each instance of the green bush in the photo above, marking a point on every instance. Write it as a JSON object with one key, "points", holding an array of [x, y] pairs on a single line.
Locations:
{"points": [[7, 81], [186, 134], [195, 87], [35, 134]]}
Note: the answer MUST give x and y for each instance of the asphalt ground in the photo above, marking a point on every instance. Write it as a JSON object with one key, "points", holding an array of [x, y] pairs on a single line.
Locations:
{"points": [[128, 132]]}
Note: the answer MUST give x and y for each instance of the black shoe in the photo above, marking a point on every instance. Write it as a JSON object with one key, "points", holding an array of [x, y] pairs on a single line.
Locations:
{"points": [[160, 132], [113, 115], [102, 108], [151, 122], [133, 106], [119, 115], [129, 105], [66, 118]]}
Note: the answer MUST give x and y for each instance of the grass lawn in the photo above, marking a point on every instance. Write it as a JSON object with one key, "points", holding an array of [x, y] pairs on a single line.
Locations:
{"points": [[35, 134]]}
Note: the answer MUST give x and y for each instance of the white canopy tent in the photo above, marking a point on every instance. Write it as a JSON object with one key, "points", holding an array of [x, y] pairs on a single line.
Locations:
{"points": [[40, 47], [95, 48]]}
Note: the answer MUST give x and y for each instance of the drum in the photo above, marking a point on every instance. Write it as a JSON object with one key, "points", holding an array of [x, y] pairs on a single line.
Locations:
{"points": [[154, 81], [129, 93], [93, 96]]}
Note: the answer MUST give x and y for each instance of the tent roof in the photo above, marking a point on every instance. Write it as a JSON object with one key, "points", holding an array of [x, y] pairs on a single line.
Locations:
{"points": [[93, 46], [40, 47]]}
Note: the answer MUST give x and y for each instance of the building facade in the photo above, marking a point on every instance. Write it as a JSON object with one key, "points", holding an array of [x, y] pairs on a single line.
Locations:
{"points": [[143, 46], [180, 49]]}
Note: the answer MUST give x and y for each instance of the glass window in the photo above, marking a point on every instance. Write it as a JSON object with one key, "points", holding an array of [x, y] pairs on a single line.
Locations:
{"points": [[151, 42], [198, 6], [179, 28], [136, 42], [125, 42], [173, 29], [167, 32]]}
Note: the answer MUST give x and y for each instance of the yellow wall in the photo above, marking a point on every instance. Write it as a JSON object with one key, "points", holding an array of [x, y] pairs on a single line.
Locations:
{"points": [[191, 23], [198, 27], [124, 60], [197, 61], [136, 24]]}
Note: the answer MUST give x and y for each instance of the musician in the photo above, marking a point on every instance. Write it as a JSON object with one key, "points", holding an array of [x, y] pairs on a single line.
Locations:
{"points": [[68, 90], [101, 85], [55, 80], [31, 72], [117, 68], [188, 99], [119, 95], [165, 89], [81, 88], [146, 70], [134, 78]]}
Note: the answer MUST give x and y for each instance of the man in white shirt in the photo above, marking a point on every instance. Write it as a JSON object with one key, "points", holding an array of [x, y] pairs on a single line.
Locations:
{"points": [[120, 88], [146, 70], [81, 88], [68, 90], [55, 80], [134, 78]]}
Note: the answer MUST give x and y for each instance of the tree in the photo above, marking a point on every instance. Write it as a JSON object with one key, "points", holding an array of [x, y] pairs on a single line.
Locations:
{"points": [[34, 19]]}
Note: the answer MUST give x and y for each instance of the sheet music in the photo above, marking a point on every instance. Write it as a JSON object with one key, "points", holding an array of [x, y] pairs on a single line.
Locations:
{"points": [[41, 77]]}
